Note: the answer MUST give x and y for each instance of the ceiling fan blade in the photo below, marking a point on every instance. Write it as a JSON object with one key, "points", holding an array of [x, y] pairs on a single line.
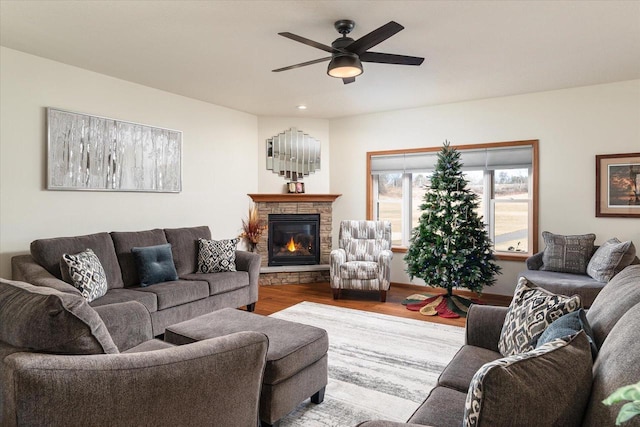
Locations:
{"points": [[302, 64], [389, 58], [309, 42], [374, 37], [348, 80]]}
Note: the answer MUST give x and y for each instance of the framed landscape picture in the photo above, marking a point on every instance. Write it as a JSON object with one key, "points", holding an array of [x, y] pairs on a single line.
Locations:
{"points": [[618, 185]]}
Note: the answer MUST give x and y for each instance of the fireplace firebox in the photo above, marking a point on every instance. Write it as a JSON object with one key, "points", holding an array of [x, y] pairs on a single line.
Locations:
{"points": [[294, 239]]}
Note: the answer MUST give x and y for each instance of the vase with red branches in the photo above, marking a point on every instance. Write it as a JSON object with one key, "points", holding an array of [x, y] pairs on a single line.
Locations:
{"points": [[252, 228]]}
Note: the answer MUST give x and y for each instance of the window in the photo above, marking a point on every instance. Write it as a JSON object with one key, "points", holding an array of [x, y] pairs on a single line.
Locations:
{"points": [[503, 175]]}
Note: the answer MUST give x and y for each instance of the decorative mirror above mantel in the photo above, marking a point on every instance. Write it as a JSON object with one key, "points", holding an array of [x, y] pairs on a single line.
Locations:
{"points": [[293, 154]]}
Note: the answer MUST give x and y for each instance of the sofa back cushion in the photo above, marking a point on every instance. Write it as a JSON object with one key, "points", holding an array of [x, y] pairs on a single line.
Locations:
{"points": [[614, 300], [184, 245], [617, 365], [48, 253], [127, 240], [45, 320]]}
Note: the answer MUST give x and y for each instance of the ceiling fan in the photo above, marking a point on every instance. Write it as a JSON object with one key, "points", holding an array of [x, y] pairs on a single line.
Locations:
{"points": [[347, 55]]}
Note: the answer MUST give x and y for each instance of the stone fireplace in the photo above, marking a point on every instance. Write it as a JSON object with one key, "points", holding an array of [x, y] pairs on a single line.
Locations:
{"points": [[300, 247]]}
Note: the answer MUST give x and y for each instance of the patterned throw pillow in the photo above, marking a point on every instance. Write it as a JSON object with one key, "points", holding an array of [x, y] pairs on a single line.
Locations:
{"points": [[530, 312], [215, 256], [553, 382], [86, 274], [365, 249], [567, 254], [610, 259]]}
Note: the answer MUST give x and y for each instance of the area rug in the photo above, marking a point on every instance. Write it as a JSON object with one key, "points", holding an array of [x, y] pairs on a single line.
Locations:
{"points": [[380, 366]]}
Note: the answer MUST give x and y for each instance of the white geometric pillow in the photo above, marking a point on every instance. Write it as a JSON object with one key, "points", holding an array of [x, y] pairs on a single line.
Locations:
{"points": [[530, 312], [215, 256], [86, 274]]}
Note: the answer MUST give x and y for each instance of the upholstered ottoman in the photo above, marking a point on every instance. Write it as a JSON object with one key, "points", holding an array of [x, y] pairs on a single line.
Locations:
{"points": [[296, 359]]}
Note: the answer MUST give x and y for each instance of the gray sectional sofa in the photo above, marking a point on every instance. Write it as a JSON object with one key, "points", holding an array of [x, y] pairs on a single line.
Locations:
{"points": [[61, 366], [192, 295], [615, 319]]}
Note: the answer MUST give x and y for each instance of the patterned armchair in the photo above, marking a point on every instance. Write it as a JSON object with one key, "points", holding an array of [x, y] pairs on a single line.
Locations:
{"points": [[363, 260]]}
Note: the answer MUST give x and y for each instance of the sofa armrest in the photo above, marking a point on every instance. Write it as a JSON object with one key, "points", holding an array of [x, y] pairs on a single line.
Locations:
{"points": [[129, 323], [534, 262], [250, 262], [25, 269], [211, 382], [484, 325]]}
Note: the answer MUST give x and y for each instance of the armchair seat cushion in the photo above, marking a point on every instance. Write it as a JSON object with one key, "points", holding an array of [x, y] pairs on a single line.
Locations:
{"points": [[362, 270]]}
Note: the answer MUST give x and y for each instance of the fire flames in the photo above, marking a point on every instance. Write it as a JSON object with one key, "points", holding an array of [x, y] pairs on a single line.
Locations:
{"points": [[291, 246]]}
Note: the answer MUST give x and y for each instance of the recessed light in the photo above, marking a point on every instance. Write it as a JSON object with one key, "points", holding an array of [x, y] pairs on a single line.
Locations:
{"points": [[301, 107]]}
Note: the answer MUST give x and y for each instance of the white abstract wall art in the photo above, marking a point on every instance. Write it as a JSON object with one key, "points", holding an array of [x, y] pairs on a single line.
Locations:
{"points": [[87, 152]]}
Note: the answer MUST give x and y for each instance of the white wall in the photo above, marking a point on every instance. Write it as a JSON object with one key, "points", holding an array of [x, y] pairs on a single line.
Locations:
{"points": [[269, 182], [572, 125], [220, 160]]}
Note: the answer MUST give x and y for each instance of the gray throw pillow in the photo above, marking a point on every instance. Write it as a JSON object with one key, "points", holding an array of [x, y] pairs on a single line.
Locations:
{"points": [[567, 325], [45, 320], [215, 256], [567, 254], [547, 386], [154, 264], [610, 259], [86, 274], [532, 309]]}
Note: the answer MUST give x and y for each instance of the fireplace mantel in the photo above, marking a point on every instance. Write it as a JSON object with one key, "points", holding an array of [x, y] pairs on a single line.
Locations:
{"points": [[293, 197]]}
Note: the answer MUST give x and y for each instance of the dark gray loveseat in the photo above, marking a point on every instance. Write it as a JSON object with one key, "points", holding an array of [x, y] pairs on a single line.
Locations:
{"points": [[615, 320], [168, 303]]}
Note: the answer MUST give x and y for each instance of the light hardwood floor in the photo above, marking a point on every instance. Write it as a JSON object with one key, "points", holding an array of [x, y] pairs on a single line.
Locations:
{"points": [[278, 297]]}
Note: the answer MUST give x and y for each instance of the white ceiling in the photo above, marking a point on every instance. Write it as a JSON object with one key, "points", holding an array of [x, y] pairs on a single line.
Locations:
{"points": [[223, 52]]}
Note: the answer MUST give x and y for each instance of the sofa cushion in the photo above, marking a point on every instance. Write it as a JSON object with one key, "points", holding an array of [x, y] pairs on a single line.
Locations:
{"points": [[154, 264], [617, 365], [150, 345], [582, 285], [444, 407], [184, 245], [464, 365], [551, 382], [45, 320], [568, 325], [114, 296], [222, 282], [532, 309], [567, 254], [615, 299], [48, 253], [610, 258], [216, 255], [171, 294], [86, 274], [125, 241]]}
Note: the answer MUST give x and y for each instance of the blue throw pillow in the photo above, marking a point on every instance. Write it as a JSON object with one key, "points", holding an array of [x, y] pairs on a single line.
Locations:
{"points": [[155, 264], [566, 325]]}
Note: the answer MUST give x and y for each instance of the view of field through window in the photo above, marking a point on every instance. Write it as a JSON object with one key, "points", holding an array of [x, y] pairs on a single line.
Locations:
{"points": [[510, 204]]}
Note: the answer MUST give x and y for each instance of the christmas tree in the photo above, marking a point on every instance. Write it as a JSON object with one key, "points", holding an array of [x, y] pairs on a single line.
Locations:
{"points": [[450, 246]]}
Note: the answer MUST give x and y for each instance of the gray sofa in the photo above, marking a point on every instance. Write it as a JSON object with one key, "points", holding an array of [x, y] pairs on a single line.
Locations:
{"points": [[60, 366], [615, 320], [168, 303]]}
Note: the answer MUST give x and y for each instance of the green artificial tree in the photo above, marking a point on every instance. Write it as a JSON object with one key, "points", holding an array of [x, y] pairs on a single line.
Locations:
{"points": [[450, 247]]}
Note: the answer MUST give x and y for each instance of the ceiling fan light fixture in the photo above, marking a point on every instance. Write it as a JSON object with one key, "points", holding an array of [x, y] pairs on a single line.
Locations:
{"points": [[345, 66]]}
